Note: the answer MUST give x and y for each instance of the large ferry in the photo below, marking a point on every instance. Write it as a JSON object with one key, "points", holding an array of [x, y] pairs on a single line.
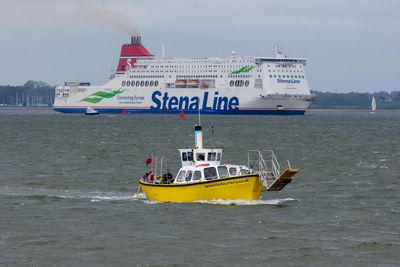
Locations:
{"points": [[238, 84]]}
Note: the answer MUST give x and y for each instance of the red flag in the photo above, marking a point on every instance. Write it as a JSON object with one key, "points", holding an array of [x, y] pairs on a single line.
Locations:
{"points": [[148, 161]]}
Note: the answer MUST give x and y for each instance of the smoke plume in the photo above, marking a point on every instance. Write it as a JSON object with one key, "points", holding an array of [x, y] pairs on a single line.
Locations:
{"points": [[101, 15]]}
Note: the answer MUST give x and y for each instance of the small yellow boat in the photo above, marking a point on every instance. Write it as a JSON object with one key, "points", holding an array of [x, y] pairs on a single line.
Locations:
{"points": [[203, 176]]}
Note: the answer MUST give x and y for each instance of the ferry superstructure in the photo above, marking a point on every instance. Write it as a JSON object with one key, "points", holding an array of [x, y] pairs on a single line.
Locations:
{"points": [[238, 84]]}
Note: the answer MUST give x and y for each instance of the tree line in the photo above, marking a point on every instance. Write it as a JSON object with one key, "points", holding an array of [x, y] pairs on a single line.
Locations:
{"points": [[32, 93], [354, 100]]}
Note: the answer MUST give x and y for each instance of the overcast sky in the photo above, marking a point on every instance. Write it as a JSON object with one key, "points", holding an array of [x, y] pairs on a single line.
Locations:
{"points": [[351, 45]]}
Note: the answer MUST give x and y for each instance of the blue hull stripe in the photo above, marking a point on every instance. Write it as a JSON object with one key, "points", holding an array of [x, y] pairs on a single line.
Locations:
{"points": [[222, 112]]}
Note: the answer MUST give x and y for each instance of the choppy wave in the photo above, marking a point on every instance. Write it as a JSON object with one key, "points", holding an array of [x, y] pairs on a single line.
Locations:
{"points": [[45, 193], [373, 165]]}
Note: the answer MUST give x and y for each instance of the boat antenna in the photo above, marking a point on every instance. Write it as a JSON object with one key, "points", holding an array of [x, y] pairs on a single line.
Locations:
{"points": [[198, 97], [212, 137], [198, 131]]}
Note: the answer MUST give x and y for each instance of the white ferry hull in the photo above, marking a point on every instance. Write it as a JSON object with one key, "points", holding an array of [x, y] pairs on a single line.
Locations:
{"points": [[174, 100]]}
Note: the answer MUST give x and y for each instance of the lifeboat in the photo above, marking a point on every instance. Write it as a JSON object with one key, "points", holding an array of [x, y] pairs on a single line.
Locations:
{"points": [[204, 85], [180, 83], [193, 83]]}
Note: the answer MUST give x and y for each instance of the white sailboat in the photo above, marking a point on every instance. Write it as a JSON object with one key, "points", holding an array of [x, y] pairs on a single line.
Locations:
{"points": [[373, 105]]}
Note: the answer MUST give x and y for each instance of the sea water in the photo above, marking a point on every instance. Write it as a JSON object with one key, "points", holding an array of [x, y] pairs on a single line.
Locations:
{"points": [[68, 191]]}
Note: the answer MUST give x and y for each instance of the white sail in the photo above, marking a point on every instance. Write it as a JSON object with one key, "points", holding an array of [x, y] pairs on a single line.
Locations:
{"points": [[373, 104]]}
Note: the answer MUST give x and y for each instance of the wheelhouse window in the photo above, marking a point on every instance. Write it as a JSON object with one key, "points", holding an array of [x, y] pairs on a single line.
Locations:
{"points": [[200, 157], [197, 176], [212, 156], [180, 176], [188, 176], [223, 171], [187, 156], [232, 171], [219, 157], [244, 171], [210, 173]]}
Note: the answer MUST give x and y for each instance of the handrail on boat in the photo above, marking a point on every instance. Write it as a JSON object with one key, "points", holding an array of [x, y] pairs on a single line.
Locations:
{"points": [[158, 166], [268, 169]]}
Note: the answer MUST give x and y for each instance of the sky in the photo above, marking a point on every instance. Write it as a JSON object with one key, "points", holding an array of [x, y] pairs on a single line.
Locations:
{"points": [[350, 45]]}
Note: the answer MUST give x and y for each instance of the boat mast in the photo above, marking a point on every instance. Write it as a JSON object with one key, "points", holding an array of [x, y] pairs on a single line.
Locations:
{"points": [[198, 132], [198, 137], [198, 107], [212, 137]]}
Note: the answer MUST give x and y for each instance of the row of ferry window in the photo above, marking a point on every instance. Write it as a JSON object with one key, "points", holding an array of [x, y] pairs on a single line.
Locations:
{"points": [[172, 71], [198, 60], [187, 72], [239, 76], [286, 66], [196, 66], [286, 71], [287, 76], [209, 173], [139, 83], [146, 76], [239, 83], [216, 66], [195, 76]]}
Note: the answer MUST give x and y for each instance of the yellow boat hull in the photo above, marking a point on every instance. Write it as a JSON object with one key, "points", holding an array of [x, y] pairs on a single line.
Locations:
{"points": [[244, 187]]}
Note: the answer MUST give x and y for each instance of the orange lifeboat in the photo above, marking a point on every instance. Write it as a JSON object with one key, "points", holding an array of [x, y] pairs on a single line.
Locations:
{"points": [[193, 83], [204, 85], [180, 83]]}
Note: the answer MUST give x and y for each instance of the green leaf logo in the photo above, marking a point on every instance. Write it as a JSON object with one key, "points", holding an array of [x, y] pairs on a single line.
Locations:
{"points": [[243, 70], [100, 95]]}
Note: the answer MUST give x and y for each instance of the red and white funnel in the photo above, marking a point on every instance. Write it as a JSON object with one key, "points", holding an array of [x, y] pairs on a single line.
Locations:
{"points": [[130, 53]]}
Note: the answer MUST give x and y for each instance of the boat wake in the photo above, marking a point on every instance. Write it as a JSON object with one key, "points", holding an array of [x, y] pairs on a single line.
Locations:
{"points": [[140, 196], [45, 193], [247, 202], [229, 202]]}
